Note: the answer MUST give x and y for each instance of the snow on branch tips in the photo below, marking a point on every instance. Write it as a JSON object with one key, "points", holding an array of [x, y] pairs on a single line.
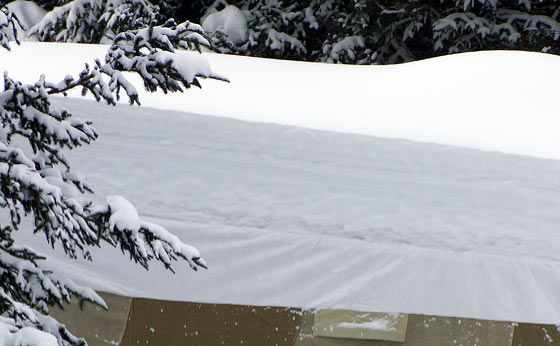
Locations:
{"points": [[37, 180], [448, 29], [8, 22], [143, 240], [94, 21], [464, 31], [150, 52], [345, 50], [535, 23]]}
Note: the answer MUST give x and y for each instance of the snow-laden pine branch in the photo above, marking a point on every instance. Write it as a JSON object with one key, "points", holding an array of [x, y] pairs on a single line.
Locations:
{"points": [[150, 53], [458, 32], [94, 20], [37, 180], [8, 24]]}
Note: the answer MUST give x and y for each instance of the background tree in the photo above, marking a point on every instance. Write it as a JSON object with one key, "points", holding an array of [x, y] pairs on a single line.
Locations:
{"points": [[275, 29], [181, 10], [335, 31], [493, 24], [391, 31], [94, 21], [37, 181]]}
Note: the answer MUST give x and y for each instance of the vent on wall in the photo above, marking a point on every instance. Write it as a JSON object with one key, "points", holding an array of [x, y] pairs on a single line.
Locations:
{"points": [[360, 325]]}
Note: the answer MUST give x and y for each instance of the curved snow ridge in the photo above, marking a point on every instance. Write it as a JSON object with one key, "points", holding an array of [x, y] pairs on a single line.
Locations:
{"points": [[255, 267], [496, 101]]}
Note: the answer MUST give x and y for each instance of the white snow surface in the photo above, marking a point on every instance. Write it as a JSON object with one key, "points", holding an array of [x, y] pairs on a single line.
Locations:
{"points": [[297, 217], [495, 101]]}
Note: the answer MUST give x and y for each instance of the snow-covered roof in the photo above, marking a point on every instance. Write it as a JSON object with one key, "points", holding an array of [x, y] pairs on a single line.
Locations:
{"points": [[292, 216]]}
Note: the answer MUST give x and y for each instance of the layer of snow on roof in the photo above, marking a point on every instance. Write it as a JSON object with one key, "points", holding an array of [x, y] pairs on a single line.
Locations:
{"points": [[496, 101], [288, 216]]}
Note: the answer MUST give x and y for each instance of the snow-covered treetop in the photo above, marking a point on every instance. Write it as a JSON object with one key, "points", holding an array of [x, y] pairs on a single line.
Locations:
{"points": [[269, 28], [230, 21]]}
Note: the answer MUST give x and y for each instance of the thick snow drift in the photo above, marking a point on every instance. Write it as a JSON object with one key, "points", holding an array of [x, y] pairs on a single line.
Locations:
{"points": [[503, 101], [297, 217]]}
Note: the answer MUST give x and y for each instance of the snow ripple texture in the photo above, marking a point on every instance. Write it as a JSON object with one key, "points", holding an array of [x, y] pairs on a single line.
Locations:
{"points": [[298, 217]]}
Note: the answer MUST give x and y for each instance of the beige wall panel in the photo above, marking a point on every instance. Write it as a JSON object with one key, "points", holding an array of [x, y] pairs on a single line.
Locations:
{"points": [[93, 323], [159, 322], [536, 335], [446, 331]]}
